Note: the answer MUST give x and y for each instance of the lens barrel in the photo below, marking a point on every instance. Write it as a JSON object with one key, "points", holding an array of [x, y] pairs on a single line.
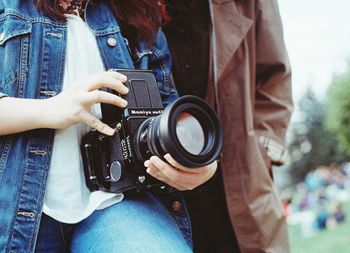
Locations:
{"points": [[189, 130]]}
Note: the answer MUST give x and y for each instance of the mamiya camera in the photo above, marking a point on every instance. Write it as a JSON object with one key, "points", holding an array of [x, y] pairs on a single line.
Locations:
{"points": [[188, 129]]}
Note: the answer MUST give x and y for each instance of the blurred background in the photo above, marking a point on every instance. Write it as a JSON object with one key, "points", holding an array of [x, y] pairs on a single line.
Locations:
{"points": [[315, 182]]}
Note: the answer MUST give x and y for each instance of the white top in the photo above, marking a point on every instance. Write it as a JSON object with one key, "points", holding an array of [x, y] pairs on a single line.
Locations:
{"points": [[67, 198]]}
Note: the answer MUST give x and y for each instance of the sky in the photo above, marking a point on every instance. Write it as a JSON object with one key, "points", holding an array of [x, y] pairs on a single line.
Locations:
{"points": [[317, 35]]}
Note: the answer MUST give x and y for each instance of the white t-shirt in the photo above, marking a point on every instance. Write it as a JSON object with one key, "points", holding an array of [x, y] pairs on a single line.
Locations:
{"points": [[67, 198]]}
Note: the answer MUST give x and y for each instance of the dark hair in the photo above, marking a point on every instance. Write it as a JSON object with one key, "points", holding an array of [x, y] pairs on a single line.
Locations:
{"points": [[139, 19]]}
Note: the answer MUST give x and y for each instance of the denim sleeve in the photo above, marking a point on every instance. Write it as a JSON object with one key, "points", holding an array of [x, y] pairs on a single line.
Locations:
{"points": [[160, 63]]}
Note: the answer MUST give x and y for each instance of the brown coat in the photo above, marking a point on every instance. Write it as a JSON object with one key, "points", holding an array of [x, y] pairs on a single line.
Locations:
{"points": [[253, 82]]}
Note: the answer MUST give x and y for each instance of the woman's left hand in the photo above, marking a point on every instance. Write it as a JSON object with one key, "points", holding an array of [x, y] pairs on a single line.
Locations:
{"points": [[176, 175]]}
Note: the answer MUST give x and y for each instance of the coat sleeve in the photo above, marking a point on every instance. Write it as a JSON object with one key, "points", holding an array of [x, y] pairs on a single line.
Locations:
{"points": [[273, 98]]}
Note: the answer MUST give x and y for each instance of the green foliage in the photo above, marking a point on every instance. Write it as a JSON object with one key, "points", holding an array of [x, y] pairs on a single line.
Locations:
{"points": [[338, 109], [312, 144]]}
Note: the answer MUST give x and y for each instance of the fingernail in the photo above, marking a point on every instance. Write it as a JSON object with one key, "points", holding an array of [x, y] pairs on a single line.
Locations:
{"points": [[125, 103], [126, 89], [124, 78], [110, 131], [146, 163]]}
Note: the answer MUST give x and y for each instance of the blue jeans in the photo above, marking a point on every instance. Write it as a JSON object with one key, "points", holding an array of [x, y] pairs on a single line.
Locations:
{"points": [[140, 223]]}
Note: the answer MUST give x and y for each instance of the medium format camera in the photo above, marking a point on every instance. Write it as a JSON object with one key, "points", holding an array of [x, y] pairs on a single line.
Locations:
{"points": [[188, 129]]}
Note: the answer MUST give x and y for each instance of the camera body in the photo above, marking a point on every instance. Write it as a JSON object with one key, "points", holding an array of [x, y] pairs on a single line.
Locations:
{"points": [[110, 162], [188, 129]]}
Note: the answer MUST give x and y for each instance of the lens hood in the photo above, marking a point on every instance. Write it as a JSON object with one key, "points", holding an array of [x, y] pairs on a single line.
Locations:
{"points": [[209, 122]]}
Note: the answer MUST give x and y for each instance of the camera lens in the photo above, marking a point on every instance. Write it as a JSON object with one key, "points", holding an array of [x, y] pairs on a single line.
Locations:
{"points": [[190, 133], [188, 130]]}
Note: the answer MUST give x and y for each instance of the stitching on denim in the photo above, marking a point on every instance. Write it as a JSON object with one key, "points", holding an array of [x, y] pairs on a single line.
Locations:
{"points": [[14, 221], [17, 33], [45, 59], [44, 20], [4, 156], [23, 64], [14, 13], [112, 30]]}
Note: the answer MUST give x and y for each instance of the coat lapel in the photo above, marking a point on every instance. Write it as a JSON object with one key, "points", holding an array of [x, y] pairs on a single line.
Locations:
{"points": [[229, 30]]}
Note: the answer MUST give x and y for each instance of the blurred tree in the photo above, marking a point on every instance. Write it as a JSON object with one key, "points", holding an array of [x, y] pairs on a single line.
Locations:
{"points": [[312, 144], [338, 109]]}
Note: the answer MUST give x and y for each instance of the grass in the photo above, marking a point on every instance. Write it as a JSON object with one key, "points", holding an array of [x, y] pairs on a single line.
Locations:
{"points": [[332, 240]]}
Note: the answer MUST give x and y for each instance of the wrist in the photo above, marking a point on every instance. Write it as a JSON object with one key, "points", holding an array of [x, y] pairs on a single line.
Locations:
{"points": [[21, 114], [44, 113]]}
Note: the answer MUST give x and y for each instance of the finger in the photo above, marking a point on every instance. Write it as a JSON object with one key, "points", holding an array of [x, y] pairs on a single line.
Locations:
{"points": [[175, 164], [94, 122], [154, 172], [117, 75], [180, 180], [199, 170], [185, 177], [165, 168], [106, 80], [98, 96], [157, 172]]}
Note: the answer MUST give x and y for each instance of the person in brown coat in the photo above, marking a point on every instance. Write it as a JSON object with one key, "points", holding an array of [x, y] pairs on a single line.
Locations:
{"points": [[232, 53]]}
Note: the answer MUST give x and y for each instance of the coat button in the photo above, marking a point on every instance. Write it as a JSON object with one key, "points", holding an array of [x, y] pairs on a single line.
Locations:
{"points": [[176, 205], [112, 42]]}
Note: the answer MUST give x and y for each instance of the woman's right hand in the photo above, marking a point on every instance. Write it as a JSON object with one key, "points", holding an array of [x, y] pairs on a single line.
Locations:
{"points": [[73, 105], [70, 107]]}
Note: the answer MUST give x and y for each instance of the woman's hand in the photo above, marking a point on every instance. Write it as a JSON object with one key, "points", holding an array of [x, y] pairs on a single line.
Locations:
{"points": [[67, 108], [175, 175], [73, 105]]}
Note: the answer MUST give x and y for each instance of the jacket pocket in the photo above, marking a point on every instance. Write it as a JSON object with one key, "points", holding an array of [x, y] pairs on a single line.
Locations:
{"points": [[14, 50]]}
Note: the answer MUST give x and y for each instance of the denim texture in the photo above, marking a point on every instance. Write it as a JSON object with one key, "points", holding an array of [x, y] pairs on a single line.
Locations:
{"points": [[147, 227], [32, 53]]}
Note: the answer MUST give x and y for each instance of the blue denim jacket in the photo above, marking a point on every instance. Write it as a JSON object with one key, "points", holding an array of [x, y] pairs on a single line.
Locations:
{"points": [[32, 53]]}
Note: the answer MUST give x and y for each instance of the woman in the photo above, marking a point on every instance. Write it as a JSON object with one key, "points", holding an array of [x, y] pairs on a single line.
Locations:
{"points": [[54, 59]]}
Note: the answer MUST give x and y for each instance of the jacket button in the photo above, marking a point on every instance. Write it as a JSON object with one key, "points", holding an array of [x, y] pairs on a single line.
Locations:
{"points": [[2, 36], [176, 205], [112, 42]]}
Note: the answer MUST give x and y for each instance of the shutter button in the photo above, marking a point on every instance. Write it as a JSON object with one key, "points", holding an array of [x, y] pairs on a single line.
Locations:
{"points": [[176, 206], [112, 42]]}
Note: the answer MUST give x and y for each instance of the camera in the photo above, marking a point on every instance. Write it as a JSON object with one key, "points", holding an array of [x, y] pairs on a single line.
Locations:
{"points": [[188, 129]]}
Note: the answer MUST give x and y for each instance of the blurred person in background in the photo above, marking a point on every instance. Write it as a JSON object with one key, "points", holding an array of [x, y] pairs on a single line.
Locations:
{"points": [[232, 53]]}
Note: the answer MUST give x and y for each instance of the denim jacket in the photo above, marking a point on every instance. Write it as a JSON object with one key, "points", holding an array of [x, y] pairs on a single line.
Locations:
{"points": [[32, 53]]}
